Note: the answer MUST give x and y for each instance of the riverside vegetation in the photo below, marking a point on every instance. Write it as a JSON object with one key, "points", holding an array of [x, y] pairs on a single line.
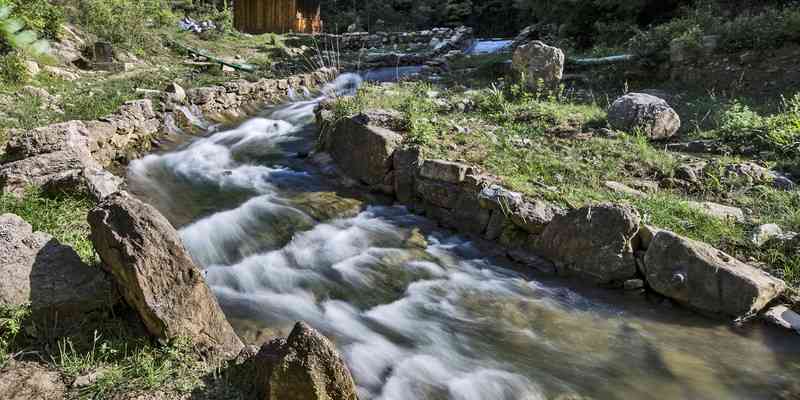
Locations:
{"points": [[553, 144]]}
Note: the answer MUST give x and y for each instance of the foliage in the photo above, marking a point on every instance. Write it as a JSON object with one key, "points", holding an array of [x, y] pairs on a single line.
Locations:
{"points": [[14, 35], [130, 364], [129, 23], [13, 69], [41, 16], [778, 133], [762, 28], [61, 215], [11, 319]]}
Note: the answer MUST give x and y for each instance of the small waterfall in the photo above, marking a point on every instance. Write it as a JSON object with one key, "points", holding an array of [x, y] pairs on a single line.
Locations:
{"points": [[417, 312]]}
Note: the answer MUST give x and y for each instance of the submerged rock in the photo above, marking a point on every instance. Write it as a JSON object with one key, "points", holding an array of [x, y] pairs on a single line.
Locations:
{"points": [[157, 277], [594, 241], [304, 366], [40, 271], [702, 277], [648, 114]]}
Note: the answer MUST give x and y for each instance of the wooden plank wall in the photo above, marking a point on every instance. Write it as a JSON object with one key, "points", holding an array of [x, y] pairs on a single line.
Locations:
{"points": [[277, 16]]}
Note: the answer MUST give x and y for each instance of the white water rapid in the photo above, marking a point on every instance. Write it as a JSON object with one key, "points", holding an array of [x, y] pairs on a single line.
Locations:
{"points": [[420, 313]]}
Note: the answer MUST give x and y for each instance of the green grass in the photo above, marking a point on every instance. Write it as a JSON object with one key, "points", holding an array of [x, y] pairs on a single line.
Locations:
{"points": [[125, 364], [11, 323], [529, 140], [62, 215]]}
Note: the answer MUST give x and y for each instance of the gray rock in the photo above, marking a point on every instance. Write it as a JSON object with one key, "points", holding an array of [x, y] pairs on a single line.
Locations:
{"points": [[648, 114], [534, 215], [304, 366], [363, 152], [497, 224], [646, 235], [783, 183], [704, 278], [495, 197], [633, 284], [157, 277], [623, 189], [764, 233], [469, 216], [51, 277], [30, 381], [693, 172], [406, 162], [175, 93], [539, 63], [749, 172], [445, 171], [784, 317], [438, 193], [101, 183], [530, 260], [593, 241], [719, 211]]}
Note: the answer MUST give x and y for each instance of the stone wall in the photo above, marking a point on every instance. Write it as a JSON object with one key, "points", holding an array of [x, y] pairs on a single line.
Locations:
{"points": [[603, 243], [436, 39], [75, 155]]}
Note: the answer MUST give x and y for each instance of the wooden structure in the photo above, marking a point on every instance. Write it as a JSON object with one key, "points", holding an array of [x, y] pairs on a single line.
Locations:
{"points": [[277, 16]]}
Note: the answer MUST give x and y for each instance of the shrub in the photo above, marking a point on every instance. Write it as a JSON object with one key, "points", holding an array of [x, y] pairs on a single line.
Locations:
{"points": [[771, 27], [778, 133], [13, 69], [128, 23], [11, 319], [14, 36], [41, 16]]}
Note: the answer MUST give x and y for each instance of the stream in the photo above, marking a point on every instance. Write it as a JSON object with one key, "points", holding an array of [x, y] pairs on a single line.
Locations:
{"points": [[420, 313]]}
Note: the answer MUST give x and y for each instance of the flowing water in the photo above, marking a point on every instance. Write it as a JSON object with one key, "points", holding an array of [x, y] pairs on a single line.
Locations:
{"points": [[489, 46], [420, 313]]}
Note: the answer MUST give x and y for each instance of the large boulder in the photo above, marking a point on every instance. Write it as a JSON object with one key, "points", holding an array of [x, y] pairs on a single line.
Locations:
{"points": [[50, 277], [594, 241], [157, 277], [57, 157], [30, 381], [704, 278], [539, 63], [648, 114], [362, 150], [304, 366]]}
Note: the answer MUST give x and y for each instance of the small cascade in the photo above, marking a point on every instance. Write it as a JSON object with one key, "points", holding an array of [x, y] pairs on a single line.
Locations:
{"points": [[421, 313]]}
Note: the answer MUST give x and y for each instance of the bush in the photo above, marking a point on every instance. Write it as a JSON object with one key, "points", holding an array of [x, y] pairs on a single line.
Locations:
{"points": [[129, 23], [768, 28], [13, 69], [41, 16], [778, 133]]}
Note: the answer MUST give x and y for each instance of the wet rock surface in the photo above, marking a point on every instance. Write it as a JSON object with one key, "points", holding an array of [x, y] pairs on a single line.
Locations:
{"points": [[705, 278], [304, 366], [364, 151], [594, 241]]}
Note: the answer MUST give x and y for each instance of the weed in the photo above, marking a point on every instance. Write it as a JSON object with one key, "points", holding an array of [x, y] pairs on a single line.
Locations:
{"points": [[11, 319], [61, 215], [128, 23], [778, 133]]}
